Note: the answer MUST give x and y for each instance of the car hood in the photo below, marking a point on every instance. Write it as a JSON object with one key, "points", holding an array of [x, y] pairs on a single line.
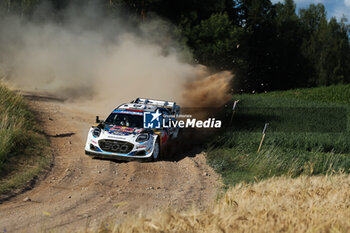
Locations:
{"points": [[120, 131]]}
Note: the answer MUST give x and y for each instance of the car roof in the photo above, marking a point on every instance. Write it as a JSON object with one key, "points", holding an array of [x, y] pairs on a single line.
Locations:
{"points": [[140, 107]]}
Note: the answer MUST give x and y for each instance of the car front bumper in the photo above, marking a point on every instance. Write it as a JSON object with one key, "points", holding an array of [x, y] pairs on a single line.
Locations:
{"points": [[133, 155], [108, 155]]}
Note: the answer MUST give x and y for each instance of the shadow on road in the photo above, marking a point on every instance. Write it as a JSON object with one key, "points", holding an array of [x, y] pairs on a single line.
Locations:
{"points": [[189, 143], [41, 97], [62, 135]]}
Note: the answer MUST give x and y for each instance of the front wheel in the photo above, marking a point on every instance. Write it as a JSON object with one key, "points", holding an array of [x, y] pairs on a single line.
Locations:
{"points": [[156, 151]]}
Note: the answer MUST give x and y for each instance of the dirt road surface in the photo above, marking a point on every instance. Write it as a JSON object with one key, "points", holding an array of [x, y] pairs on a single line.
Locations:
{"points": [[80, 192]]}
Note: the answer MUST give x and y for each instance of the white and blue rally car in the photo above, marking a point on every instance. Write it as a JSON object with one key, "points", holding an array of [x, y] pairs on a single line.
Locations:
{"points": [[124, 135]]}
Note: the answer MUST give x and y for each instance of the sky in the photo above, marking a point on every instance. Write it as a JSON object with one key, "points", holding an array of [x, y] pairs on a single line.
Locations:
{"points": [[334, 8]]}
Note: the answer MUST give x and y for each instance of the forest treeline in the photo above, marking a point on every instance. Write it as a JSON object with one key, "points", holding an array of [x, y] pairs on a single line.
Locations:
{"points": [[268, 46]]}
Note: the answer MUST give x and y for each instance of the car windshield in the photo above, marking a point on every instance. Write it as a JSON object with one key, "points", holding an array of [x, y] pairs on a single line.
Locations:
{"points": [[127, 120]]}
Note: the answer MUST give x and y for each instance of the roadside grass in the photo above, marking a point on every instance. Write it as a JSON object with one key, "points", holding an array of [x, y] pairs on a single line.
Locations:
{"points": [[332, 94], [308, 134], [279, 204], [23, 149]]}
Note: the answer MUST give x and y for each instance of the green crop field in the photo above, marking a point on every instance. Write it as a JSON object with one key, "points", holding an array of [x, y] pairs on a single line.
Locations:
{"points": [[308, 133]]}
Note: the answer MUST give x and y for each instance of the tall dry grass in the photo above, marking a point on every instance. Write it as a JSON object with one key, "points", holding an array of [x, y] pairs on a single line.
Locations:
{"points": [[304, 204], [13, 117], [23, 149]]}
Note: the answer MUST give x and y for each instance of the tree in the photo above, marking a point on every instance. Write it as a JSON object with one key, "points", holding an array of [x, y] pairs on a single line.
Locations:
{"points": [[326, 47], [268, 46], [20, 7], [291, 67], [256, 17], [215, 41]]}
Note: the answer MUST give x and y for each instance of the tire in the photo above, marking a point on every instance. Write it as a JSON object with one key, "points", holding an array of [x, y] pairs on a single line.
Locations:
{"points": [[175, 134], [156, 152]]}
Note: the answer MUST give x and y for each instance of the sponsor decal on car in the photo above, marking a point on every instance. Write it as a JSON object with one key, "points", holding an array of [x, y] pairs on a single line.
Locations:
{"points": [[139, 113], [94, 142], [120, 130]]}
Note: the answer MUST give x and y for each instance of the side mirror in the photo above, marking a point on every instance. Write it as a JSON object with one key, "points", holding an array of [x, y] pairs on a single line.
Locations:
{"points": [[98, 119]]}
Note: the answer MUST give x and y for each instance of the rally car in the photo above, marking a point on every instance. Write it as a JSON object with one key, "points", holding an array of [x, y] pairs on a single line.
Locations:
{"points": [[125, 134]]}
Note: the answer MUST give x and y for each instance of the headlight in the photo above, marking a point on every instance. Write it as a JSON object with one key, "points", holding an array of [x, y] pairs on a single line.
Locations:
{"points": [[142, 137], [96, 132]]}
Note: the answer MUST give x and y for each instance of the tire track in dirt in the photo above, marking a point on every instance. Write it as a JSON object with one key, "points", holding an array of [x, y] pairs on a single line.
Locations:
{"points": [[80, 192]]}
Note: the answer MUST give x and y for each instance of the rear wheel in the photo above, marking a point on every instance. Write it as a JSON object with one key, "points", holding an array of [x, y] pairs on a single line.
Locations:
{"points": [[176, 133]]}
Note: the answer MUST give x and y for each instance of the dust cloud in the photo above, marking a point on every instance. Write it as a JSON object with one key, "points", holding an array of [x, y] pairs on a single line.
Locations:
{"points": [[207, 89], [99, 63]]}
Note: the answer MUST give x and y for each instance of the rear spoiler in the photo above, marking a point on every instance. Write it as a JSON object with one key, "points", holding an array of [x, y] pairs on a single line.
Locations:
{"points": [[175, 109]]}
